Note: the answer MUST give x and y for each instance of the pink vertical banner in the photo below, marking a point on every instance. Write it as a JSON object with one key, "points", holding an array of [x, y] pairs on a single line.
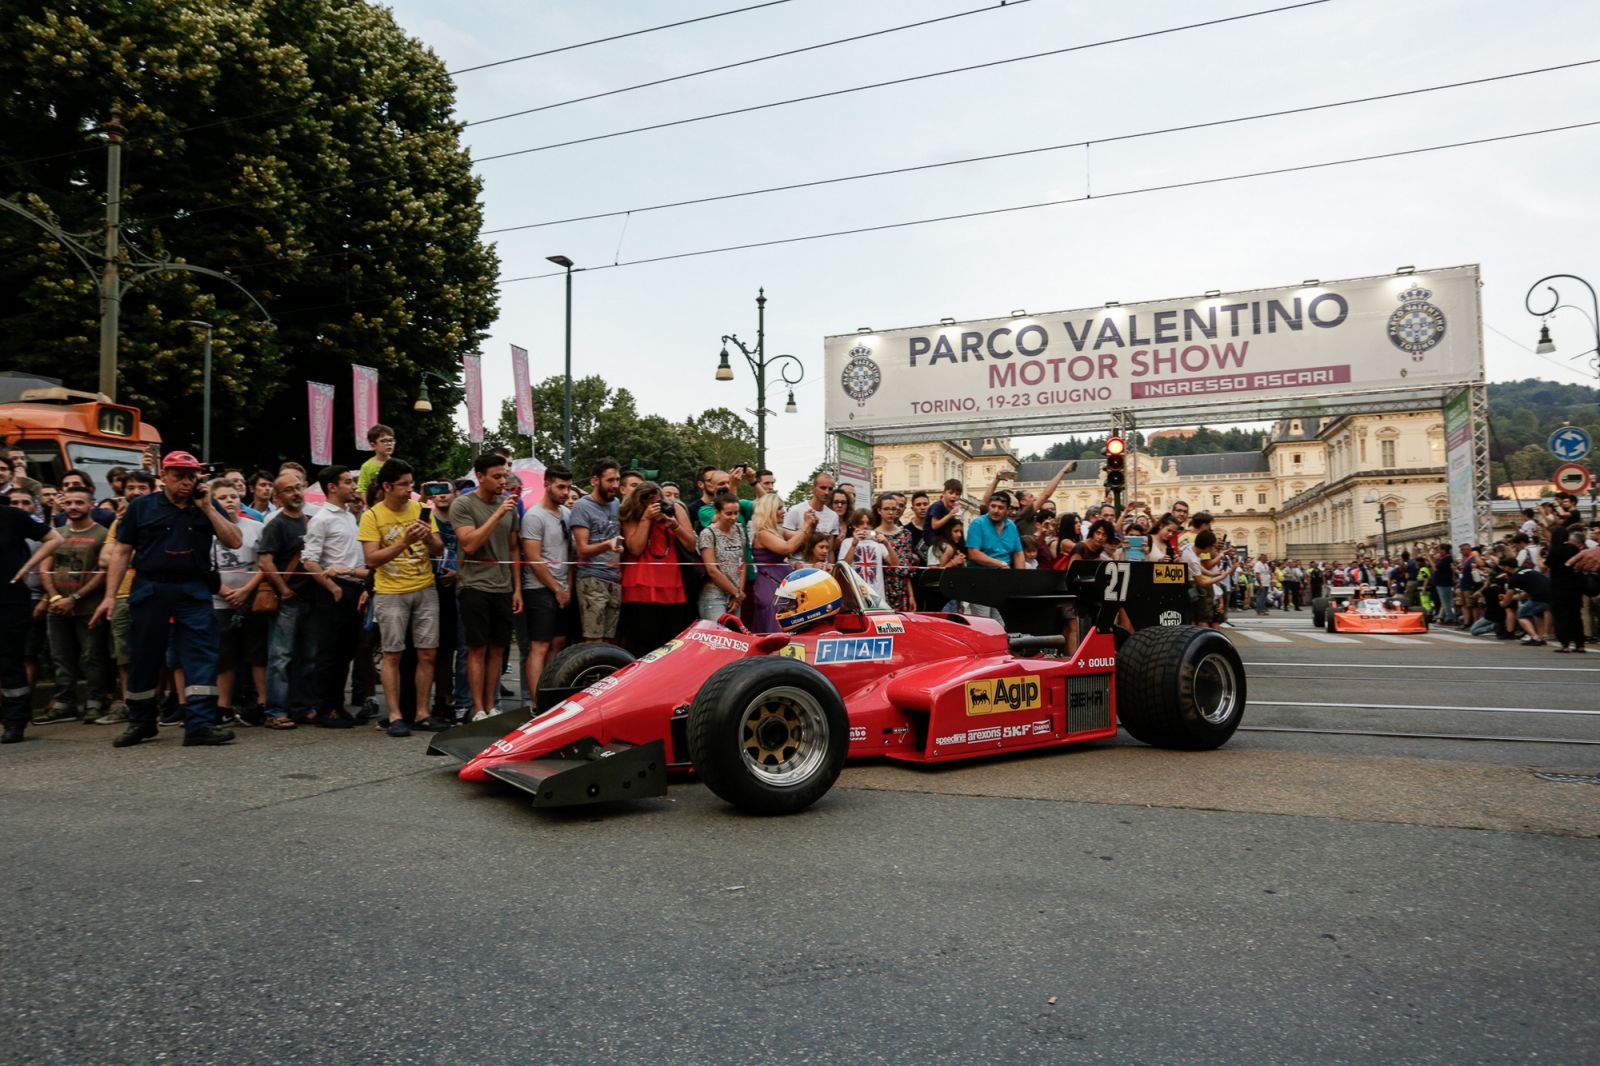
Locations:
{"points": [[472, 381], [519, 381], [319, 402], [364, 394]]}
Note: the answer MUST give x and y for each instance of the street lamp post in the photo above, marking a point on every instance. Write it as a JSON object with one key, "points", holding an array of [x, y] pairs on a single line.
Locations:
{"points": [[424, 402], [566, 396], [1383, 519], [1546, 345], [205, 431], [759, 363]]}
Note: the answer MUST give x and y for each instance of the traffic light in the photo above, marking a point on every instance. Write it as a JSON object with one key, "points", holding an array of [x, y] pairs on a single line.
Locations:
{"points": [[1115, 465]]}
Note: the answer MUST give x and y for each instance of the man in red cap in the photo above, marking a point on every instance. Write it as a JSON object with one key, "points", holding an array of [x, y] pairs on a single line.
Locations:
{"points": [[167, 537]]}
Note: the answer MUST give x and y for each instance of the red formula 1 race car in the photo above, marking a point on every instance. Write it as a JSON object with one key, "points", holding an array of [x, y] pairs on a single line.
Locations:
{"points": [[1370, 611], [767, 721]]}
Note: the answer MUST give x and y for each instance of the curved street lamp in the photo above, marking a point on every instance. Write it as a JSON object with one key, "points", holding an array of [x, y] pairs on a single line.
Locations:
{"points": [[1546, 345], [424, 402], [759, 363]]}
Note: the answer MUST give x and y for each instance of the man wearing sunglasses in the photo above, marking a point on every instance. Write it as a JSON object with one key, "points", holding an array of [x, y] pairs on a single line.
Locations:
{"points": [[167, 537]]}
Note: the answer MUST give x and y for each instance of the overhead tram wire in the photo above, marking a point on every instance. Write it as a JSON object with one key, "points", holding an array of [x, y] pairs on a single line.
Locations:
{"points": [[614, 37], [1036, 151], [907, 80], [987, 8], [1187, 127], [1399, 153], [780, 103], [449, 74]]}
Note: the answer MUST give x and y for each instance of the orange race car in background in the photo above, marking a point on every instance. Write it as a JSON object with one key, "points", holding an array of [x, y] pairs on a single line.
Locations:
{"points": [[1373, 612]]}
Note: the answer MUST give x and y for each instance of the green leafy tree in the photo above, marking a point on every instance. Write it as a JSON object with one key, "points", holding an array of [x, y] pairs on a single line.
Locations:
{"points": [[306, 146]]}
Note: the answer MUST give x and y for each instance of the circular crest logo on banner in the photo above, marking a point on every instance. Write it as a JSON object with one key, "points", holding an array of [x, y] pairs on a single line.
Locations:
{"points": [[861, 376], [1417, 325]]}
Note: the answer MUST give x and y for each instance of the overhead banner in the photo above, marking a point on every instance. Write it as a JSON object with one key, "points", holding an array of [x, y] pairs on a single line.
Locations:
{"points": [[319, 409], [364, 393], [524, 394], [472, 382], [1405, 331]]}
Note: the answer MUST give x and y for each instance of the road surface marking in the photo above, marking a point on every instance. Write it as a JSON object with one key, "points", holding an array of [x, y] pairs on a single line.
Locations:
{"points": [[1265, 638], [1410, 666], [1388, 639], [1331, 638], [1455, 638], [1426, 707]]}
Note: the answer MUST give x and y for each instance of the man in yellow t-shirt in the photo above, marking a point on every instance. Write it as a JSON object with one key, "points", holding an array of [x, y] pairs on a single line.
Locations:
{"points": [[399, 538]]}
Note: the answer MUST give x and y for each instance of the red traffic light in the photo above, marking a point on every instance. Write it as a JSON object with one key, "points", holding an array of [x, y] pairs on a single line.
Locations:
{"points": [[1116, 446]]}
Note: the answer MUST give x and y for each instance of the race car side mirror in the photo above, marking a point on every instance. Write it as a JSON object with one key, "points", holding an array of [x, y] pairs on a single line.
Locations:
{"points": [[850, 622]]}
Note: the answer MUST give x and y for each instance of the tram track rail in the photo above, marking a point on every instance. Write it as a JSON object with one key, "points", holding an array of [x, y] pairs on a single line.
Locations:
{"points": [[1414, 735]]}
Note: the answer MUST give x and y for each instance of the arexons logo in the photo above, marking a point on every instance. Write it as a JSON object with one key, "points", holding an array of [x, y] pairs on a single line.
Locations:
{"points": [[1003, 695]]}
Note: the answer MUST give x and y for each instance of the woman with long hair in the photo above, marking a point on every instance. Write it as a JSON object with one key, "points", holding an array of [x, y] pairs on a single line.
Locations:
{"points": [[653, 594], [897, 538], [770, 548]]}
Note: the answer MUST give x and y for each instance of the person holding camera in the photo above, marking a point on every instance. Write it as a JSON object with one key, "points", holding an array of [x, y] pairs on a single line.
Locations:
{"points": [[652, 581], [167, 537]]}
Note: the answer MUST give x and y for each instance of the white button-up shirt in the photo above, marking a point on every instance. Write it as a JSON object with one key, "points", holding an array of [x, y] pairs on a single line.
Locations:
{"points": [[331, 540]]}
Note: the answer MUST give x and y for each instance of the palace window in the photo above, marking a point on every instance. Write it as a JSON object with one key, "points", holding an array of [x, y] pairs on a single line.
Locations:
{"points": [[1261, 497], [913, 475], [1238, 498], [1386, 451]]}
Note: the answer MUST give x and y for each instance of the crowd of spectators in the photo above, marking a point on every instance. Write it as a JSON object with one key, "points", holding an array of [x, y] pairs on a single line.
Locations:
{"points": [[425, 590]]}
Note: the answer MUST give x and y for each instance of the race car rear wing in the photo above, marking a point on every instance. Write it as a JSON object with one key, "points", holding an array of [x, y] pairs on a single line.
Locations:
{"points": [[1031, 601]]}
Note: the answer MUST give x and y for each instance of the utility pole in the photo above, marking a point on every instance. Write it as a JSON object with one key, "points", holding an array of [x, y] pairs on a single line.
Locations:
{"points": [[110, 285]]}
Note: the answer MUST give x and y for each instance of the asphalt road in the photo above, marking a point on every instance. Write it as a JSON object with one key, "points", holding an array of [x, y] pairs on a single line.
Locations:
{"points": [[1294, 897]]}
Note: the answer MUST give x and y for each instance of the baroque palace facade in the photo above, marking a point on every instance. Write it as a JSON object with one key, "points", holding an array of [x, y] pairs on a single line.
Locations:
{"points": [[1302, 495]]}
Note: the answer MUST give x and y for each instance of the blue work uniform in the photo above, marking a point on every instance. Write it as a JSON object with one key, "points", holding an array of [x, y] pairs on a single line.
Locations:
{"points": [[171, 593]]}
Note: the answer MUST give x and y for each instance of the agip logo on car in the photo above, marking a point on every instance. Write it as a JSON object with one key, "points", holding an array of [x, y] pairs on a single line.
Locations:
{"points": [[1003, 695]]}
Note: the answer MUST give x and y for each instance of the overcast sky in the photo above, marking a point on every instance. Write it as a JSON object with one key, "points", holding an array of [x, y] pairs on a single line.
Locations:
{"points": [[1522, 209]]}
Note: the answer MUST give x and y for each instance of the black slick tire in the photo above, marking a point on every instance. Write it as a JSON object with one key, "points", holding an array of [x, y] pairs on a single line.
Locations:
{"points": [[1319, 608], [1180, 687], [583, 664], [1329, 624], [768, 735]]}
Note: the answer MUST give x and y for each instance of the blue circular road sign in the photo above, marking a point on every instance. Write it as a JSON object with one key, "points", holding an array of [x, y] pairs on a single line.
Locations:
{"points": [[1569, 444]]}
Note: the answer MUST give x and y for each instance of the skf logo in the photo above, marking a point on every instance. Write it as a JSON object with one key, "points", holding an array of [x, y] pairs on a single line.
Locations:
{"points": [[794, 651], [1003, 695]]}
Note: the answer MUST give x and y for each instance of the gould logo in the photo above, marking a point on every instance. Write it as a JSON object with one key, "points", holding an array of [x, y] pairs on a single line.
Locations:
{"points": [[1003, 695]]}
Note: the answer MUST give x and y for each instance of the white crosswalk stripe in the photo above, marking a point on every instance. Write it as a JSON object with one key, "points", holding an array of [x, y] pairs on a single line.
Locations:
{"points": [[1331, 638], [1264, 638], [1455, 638], [1390, 639]]}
